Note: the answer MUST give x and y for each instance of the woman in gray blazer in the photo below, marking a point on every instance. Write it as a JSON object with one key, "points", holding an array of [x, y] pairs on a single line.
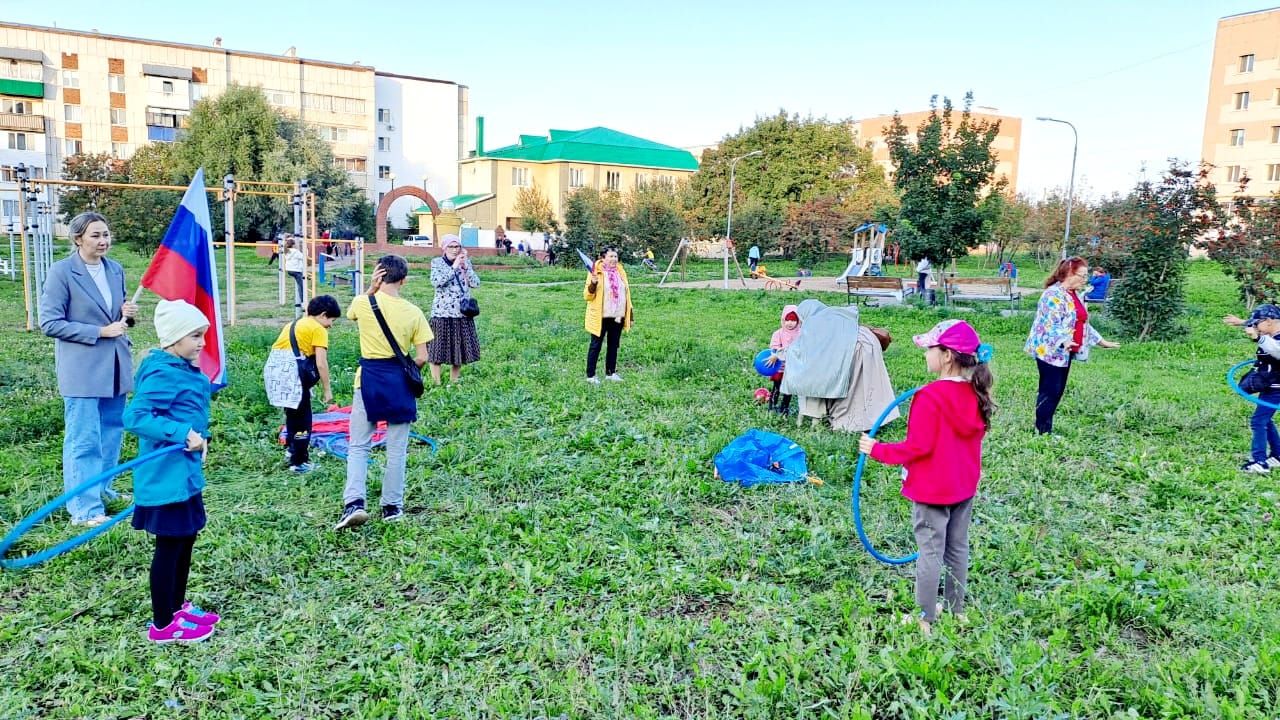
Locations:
{"points": [[84, 308]]}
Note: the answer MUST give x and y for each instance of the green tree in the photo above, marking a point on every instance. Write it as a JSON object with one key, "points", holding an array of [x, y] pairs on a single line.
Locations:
{"points": [[138, 218], [802, 160], [756, 223], [1248, 247], [239, 132], [1158, 226], [593, 222], [652, 219], [814, 228], [1003, 224], [940, 173], [534, 209]]}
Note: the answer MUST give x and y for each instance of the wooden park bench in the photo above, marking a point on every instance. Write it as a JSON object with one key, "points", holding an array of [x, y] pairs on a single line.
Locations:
{"points": [[1000, 289], [870, 286]]}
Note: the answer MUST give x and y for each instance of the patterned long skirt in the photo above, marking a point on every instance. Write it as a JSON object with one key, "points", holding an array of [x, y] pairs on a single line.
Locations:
{"points": [[455, 343]]}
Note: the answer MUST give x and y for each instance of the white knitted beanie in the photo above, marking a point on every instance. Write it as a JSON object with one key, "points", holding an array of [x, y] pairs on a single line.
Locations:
{"points": [[176, 318]]}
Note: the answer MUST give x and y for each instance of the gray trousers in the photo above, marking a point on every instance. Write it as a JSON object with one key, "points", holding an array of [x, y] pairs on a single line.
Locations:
{"points": [[942, 534], [358, 457]]}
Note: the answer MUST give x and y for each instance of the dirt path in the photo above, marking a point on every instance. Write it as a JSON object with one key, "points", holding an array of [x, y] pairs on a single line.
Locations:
{"points": [[807, 285]]}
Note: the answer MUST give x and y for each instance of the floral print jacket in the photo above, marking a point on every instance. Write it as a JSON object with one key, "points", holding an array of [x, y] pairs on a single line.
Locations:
{"points": [[1053, 328]]}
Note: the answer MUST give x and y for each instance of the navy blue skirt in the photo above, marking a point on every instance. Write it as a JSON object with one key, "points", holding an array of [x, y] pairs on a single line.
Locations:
{"points": [[180, 519]]}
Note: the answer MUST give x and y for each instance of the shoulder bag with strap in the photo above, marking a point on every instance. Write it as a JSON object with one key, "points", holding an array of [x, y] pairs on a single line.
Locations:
{"points": [[468, 305], [413, 373], [308, 373]]}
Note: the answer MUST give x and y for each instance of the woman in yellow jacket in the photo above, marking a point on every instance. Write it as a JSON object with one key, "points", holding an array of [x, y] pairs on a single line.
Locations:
{"points": [[608, 296]]}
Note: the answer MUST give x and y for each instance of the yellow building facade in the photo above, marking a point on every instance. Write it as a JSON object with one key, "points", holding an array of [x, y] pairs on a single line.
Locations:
{"points": [[1242, 115], [556, 165]]}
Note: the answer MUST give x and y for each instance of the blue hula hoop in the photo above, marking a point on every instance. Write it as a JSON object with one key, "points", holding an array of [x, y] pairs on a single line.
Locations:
{"points": [[1235, 385], [857, 489], [52, 506], [435, 449]]}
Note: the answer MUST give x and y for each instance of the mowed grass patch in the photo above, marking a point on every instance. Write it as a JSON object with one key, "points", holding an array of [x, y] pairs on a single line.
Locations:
{"points": [[568, 553]]}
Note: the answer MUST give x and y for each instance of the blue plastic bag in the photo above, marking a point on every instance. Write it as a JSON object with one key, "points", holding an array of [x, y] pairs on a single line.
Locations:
{"points": [[756, 457]]}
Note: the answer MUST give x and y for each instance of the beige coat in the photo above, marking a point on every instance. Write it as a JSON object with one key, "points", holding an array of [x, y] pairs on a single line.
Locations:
{"points": [[870, 390]]}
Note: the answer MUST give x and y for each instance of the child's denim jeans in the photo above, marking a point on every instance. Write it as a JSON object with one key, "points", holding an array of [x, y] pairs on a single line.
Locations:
{"points": [[1264, 430]]}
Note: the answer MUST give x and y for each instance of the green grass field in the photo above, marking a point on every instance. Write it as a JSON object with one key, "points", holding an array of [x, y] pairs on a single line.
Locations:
{"points": [[568, 553]]}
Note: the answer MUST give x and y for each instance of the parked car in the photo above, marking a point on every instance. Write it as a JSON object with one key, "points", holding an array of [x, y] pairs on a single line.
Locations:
{"points": [[419, 241]]}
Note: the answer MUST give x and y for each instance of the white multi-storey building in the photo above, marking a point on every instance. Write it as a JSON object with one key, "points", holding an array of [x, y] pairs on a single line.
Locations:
{"points": [[64, 92]]}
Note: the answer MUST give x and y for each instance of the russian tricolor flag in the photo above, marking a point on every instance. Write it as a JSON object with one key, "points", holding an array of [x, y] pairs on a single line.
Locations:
{"points": [[183, 269]]}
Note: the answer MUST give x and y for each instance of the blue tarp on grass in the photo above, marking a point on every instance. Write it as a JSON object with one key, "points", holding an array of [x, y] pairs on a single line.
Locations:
{"points": [[756, 457]]}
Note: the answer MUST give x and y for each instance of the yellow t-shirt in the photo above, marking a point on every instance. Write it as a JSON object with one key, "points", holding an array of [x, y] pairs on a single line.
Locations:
{"points": [[311, 335], [407, 323]]}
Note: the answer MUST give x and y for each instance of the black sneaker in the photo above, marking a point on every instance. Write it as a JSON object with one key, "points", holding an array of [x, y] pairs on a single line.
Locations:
{"points": [[392, 513], [353, 515]]}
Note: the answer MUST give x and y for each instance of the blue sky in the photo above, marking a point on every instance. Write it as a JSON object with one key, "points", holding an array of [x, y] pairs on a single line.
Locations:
{"points": [[1131, 74]]}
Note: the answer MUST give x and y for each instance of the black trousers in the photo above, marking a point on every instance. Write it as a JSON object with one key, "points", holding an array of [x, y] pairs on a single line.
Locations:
{"points": [[778, 401], [297, 280], [170, 567], [297, 428], [610, 333], [1053, 383]]}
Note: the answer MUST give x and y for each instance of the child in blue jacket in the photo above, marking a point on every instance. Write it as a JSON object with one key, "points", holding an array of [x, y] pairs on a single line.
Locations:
{"points": [[170, 405]]}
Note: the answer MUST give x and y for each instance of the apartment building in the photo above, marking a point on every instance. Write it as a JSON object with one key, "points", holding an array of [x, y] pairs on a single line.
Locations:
{"points": [[64, 92], [1242, 116], [1006, 147]]}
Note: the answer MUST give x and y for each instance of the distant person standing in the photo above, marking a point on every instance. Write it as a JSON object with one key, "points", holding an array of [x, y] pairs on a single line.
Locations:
{"points": [[1099, 284], [295, 264], [500, 242], [455, 343], [923, 269], [753, 257]]}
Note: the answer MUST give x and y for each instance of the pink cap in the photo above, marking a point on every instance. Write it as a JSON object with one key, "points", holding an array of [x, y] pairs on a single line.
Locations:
{"points": [[955, 335]]}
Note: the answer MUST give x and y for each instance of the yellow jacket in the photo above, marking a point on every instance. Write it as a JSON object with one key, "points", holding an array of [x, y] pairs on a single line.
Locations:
{"points": [[595, 301]]}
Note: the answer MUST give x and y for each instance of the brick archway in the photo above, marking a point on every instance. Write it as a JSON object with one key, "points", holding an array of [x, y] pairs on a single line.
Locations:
{"points": [[380, 218]]}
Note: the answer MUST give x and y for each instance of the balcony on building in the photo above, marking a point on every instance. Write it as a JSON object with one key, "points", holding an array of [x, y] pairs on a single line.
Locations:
{"points": [[21, 122], [21, 72]]}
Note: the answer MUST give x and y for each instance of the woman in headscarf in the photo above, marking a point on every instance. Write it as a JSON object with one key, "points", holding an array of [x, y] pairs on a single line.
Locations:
{"points": [[456, 342], [608, 296]]}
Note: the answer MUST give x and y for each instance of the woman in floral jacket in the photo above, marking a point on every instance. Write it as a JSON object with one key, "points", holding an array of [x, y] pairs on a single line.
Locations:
{"points": [[1060, 334]]}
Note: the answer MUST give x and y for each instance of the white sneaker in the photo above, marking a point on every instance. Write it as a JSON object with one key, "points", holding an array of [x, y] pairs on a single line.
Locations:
{"points": [[1273, 462], [92, 522], [593, 380], [1256, 468], [615, 377]]}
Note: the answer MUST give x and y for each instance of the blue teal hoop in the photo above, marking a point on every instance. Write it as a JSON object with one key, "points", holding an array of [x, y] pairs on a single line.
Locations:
{"points": [[1235, 385], [857, 489], [53, 505]]}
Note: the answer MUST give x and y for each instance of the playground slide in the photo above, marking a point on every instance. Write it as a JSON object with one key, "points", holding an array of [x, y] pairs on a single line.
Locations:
{"points": [[857, 268]]}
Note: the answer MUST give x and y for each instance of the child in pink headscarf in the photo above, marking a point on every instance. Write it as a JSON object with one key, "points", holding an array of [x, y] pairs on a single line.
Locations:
{"points": [[782, 338]]}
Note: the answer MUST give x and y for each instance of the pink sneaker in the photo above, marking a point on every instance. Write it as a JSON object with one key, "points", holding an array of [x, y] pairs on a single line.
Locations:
{"points": [[179, 630], [193, 614]]}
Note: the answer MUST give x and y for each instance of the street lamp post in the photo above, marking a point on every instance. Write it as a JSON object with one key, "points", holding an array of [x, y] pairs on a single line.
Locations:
{"points": [[728, 228], [1071, 188]]}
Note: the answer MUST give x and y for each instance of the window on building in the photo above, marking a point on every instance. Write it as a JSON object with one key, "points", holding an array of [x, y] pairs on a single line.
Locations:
{"points": [[120, 151], [15, 107], [384, 115], [666, 180], [1237, 137], [9, 209], [613, 180], [199, 91], [1273, 172], [17, 141], [1234, 173], [350, 164], [70, 79], [118, 116], [384, 172], [576, 178], [384, 144], [115, 83], [15, 70], [1275, 134], [1246, 63], [1242, 100], [333, 103], [381, 195], [74, 147], [342, 135], [520, 177], [641, 180], [72, 113], [166, 87]]}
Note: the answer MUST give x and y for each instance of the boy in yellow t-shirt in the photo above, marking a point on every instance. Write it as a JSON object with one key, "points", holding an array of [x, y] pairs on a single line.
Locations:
{"points": [[382, 392], [285, 388]]}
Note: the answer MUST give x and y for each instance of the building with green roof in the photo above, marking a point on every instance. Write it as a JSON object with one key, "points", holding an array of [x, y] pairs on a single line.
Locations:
{"points": [[558, 163]]}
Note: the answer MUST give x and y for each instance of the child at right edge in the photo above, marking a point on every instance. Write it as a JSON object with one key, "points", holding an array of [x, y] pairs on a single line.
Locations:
{"points": [[942, 462]]}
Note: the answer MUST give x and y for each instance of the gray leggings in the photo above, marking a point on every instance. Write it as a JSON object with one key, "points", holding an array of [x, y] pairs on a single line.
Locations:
{"points": [[358, 457], [942, 534]]}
